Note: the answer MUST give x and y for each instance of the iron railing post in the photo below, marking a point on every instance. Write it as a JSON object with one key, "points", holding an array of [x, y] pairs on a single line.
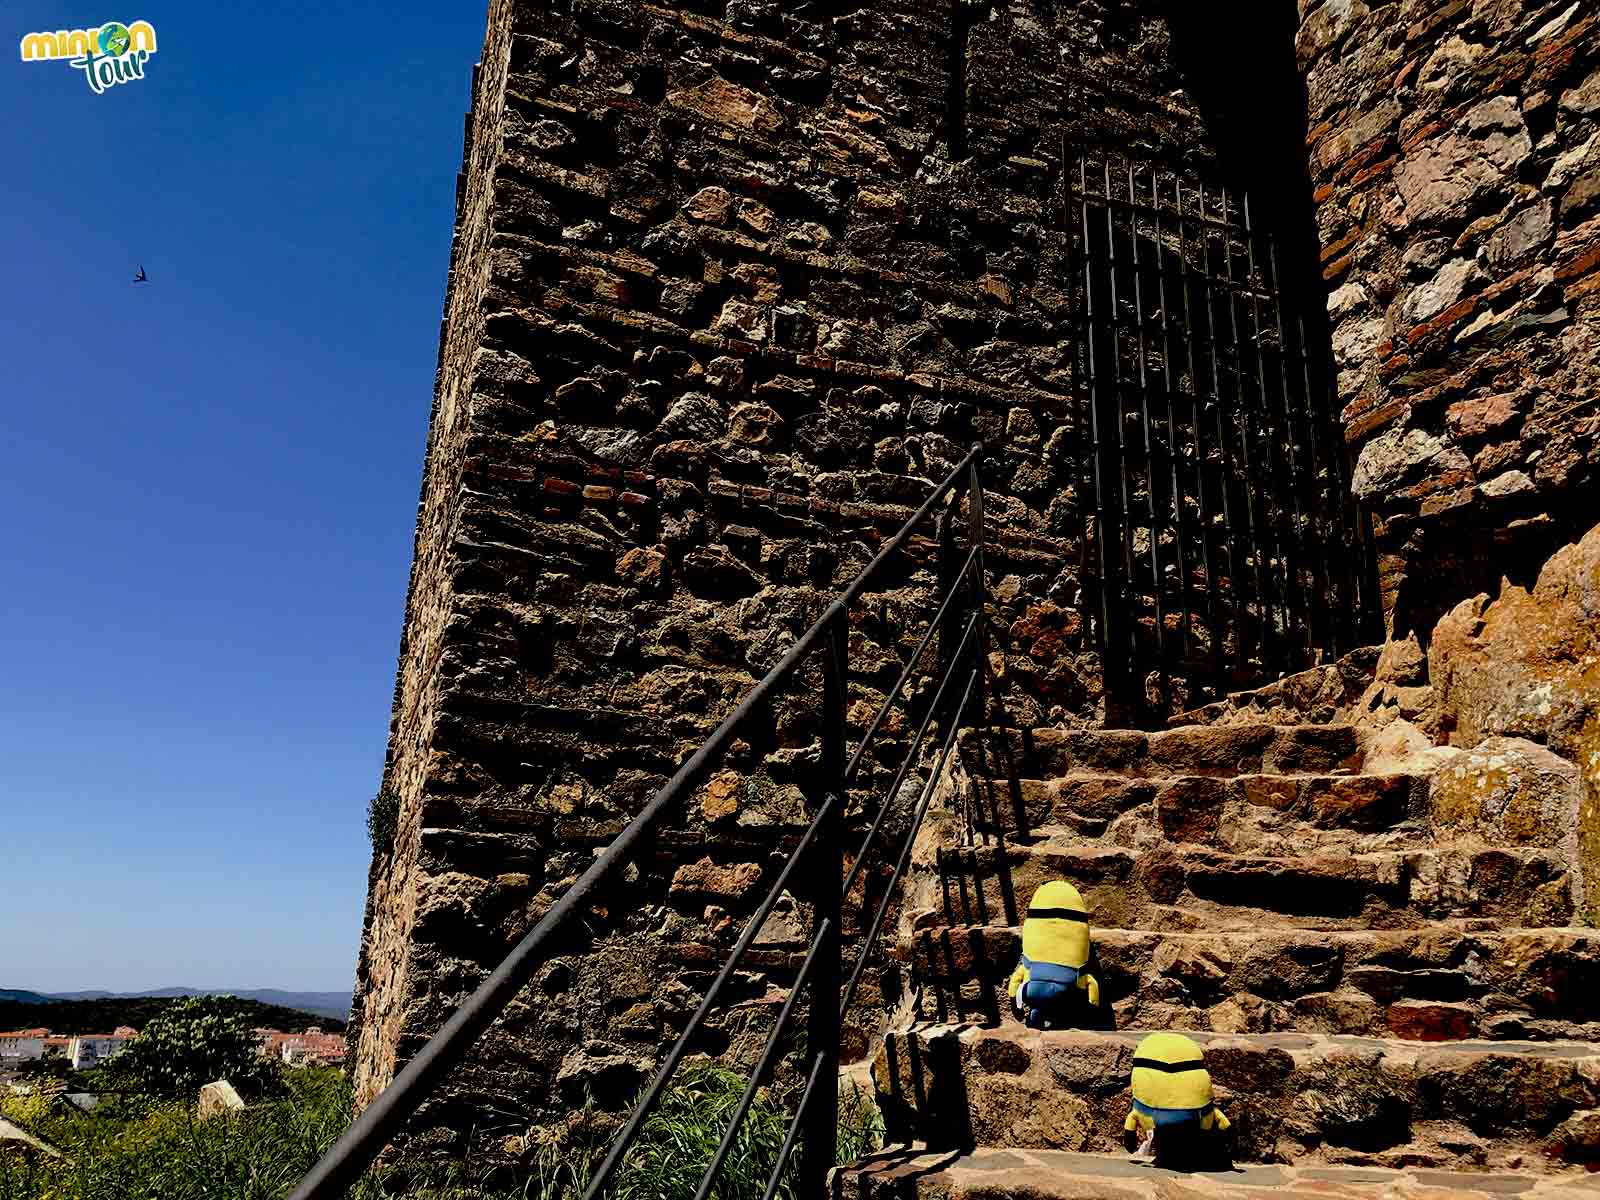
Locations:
{"points": [[950, 628], [980, 595], [820, 1121], [980, 590], [989, 695]]}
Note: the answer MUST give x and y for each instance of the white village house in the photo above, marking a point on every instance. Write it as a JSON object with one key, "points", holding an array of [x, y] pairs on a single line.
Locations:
{"points": [[93, 1048], [24, 1046]]}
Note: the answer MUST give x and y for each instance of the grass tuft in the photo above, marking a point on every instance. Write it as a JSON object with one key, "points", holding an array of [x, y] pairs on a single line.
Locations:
{"points": [[134, 1149]]}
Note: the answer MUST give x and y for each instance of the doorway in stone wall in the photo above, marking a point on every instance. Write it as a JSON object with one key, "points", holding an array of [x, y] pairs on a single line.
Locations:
{"points": [[1224, 549]]}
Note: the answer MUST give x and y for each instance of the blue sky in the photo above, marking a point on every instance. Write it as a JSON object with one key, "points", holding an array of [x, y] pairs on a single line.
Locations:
{"points": [[209, 483]]}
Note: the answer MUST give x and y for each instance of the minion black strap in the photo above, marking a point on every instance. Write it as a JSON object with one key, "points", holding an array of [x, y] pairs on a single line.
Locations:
{"points": [[1172, 1068], [1056, 914]]}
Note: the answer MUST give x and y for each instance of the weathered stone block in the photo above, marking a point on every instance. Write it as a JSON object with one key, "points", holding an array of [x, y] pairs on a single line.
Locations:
{"points": [[727, 103], [1528, 663], [1508, 791], [219, 1099]]}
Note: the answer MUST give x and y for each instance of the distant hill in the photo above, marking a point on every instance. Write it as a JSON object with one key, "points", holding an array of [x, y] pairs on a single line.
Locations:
{"points": [[322, 1004], [11, 996], [103, 1014]]}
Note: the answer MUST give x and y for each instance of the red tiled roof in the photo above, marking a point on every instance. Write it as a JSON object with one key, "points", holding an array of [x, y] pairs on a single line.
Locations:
{"points": [[324, 1045]]}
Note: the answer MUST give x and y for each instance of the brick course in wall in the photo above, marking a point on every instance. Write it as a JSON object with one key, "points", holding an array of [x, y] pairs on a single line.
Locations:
{"points": [[733, 285], [1455, 151]]}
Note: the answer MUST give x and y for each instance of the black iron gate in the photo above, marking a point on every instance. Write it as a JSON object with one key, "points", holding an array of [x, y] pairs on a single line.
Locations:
{"points": [[1225, 549]]}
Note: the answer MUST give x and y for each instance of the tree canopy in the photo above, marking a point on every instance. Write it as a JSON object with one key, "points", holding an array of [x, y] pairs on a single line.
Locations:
{"points": [[69, 1018], [191, 1042]]}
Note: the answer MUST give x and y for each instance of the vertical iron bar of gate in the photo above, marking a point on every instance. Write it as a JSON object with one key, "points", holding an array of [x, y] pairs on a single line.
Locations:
{"points": [[1363, 594], [1114, 326], [1179, 511], [1149, 444], [1202, 457], [1237, 605], [1272, 494], [1327, 507], [1304, 546], [1099, 447], [1345, 599], [1367, 607], [824, 1024], [1248, 485]]}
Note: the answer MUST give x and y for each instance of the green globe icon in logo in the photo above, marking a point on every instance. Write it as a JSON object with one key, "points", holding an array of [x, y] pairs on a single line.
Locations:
{"points": [[115, 39]]}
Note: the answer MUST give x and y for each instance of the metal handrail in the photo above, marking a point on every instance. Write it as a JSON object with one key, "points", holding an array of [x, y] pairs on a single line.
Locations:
{"points": [[908, 842], [900, 775], [679, 1048], [934, 625], [820, 848]]}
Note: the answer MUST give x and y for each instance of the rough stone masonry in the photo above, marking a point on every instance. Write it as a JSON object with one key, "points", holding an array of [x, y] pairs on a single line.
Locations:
{"points": [[733, 283], [1455, 149]]}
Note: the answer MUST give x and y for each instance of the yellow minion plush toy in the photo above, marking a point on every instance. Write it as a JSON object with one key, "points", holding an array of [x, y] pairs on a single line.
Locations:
{"points": [[1050, 981], [1172, 1102]]}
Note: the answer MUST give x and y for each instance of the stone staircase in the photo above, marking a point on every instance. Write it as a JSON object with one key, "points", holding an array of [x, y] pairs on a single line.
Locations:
{"points": [[1388, 1006]]}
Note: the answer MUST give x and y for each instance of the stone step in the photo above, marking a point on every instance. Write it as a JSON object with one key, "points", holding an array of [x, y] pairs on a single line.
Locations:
{"points": [[1243, 814], [1189, 750], [989, 1173], [1195, 888], [1292, 1098], [1313, 696], [1434, 984]]}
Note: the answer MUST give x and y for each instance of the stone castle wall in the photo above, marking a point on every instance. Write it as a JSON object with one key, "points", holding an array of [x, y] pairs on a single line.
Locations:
{"points": [[733, 285], [1455, 151], [380, 1016], [734, 282]]}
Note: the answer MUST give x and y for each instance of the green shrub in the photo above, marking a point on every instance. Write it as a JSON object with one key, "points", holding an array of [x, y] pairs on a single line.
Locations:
{"points": [[383, 819], [193, 1041]]}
